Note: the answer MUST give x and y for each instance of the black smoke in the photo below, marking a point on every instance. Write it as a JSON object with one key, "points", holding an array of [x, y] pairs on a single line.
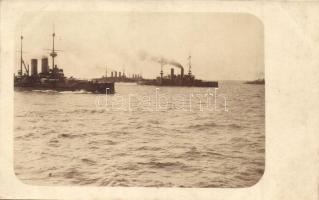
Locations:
{"points": [[159, 59]]}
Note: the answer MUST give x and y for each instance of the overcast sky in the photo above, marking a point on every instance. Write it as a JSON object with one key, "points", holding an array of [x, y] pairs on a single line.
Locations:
{"points": [[222, 46]]}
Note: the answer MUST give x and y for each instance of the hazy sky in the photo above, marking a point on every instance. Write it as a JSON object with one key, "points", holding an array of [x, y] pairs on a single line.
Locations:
{"points": [[222, 46]]}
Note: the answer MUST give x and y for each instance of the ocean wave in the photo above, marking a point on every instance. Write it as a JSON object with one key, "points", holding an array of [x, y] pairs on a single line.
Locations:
{"points": [[235, 126], [214, 153], [239, 140], [152, 121], [129, 166], [76, 92], [208, 125], [46, 91], [109, 142], [202, 126], [192, 152], [54, 142], [71, 173], [149, 148], [84, 110], [25, 136], [154, 164], [88, 161], [67, 135]]}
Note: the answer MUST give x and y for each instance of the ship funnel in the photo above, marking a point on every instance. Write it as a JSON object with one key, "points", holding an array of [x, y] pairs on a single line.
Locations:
{"points": [[34, 66], [45, 65], [182, 73], [172, 73]]}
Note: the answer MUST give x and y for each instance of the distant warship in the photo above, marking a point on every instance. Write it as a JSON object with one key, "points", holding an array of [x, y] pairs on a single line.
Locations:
{"points": [[256, 82], [52, 78], [117, 76], [187, 80]]}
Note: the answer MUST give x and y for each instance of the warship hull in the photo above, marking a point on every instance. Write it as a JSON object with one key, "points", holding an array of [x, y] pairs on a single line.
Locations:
{"points": [[74, 85], [164, 82]]}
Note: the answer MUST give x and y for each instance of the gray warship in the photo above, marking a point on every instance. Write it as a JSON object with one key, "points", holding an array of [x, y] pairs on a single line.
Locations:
{"points": [[52, 78], [182, 80]]}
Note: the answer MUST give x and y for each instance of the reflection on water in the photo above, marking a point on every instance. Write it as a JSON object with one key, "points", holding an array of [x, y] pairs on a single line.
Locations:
{"points": [[67, 138]]}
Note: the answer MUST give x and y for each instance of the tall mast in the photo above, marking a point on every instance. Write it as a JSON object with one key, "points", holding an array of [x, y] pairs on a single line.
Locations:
{"points": [[189, 65], [21, 60], [161, 69], [53, 54]]}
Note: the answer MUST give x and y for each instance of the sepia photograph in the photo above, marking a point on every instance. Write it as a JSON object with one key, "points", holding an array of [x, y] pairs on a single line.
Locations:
{"points": [[139, 99], [159, 100]]}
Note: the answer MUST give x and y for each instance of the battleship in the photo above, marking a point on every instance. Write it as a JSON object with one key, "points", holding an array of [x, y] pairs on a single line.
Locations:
{"points": [[117, 76], [52, 78], [186, 80]]}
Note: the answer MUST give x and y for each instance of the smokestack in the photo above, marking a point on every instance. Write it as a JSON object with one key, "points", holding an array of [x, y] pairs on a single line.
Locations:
{"points": [[182, 73], [45, 65], [172, 73], [120, 74], [111, 74], [115, 74], [34, 66]]}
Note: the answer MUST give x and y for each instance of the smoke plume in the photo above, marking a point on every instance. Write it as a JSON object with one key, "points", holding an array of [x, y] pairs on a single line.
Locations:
{"points": [[144, 56]]}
